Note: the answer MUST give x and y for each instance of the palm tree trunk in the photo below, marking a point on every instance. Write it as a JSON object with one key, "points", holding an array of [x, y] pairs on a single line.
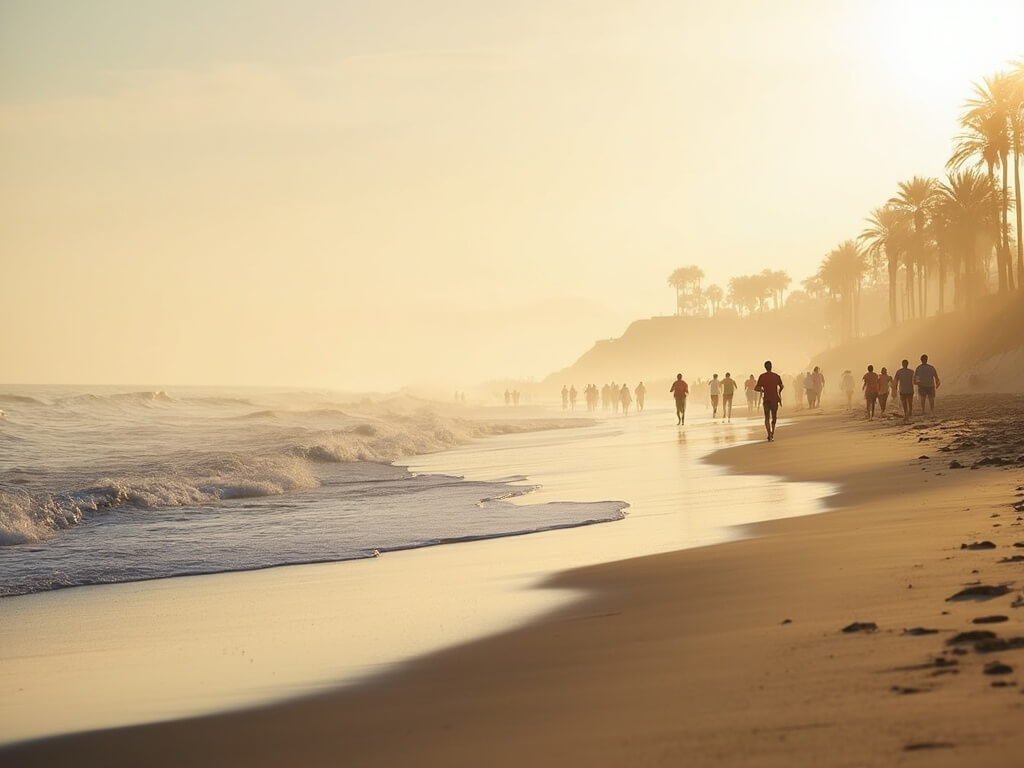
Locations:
{"points": [[893, 268], [1006, 225], [1017, 200]]}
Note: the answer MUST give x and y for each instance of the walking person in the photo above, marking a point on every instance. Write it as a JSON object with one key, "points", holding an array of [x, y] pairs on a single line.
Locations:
{"points": [[770, 385], [680, 389], [884, 385], [846, 384], [625, 398], [927, 379], [641, 393], [903, 381], [870, 387], [748, 388]]}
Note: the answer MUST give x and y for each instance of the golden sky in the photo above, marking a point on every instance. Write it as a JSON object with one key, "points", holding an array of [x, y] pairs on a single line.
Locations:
{"points": [[365, 195]]}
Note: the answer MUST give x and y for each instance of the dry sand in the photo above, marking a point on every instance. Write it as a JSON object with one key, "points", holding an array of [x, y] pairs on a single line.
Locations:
{"points": [[729, 655]]}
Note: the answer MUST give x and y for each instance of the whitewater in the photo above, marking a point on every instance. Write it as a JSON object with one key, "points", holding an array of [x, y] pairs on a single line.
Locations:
{"points": [[106, 485]]}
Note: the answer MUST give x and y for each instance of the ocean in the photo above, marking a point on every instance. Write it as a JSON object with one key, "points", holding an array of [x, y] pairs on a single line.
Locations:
{"points": [[103, 485]]}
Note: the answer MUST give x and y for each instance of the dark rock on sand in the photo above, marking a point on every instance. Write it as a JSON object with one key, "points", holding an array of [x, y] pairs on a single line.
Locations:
{"points": [[998, 668], [990, 619], [861, 626], [999, 644], [971, 636], [979, 545], [920, 631], [981, 591]]}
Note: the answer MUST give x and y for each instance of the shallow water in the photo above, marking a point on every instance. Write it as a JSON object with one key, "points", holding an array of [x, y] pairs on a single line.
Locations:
{"points": [[201, 644]]}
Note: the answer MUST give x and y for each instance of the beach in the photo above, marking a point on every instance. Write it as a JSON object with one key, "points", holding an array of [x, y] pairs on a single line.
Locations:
{"points": [[727, 654]]}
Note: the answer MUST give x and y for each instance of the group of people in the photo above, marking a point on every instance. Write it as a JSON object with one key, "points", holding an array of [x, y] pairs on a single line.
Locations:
{"points": [[767, 388], [611, 396], [878, 386]]}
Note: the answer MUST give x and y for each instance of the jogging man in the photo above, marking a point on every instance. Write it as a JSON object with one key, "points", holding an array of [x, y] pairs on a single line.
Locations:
{"points": [[927, 380], [770, 385]]}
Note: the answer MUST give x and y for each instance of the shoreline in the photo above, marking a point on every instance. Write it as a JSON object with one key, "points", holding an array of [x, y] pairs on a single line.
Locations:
{"points": [[688, 656]]}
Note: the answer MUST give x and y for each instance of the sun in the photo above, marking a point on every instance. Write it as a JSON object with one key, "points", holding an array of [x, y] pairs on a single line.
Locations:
{"points": [[938, 48]]}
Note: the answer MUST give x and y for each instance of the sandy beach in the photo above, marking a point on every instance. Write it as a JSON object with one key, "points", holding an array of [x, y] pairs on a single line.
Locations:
{"points": [[731, 654]]}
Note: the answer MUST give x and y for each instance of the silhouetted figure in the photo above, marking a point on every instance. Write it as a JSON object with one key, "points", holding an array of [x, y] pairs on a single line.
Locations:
{"points": [[927, 379], [572, 397], [625, 398], [884, 386], [714, 390], [904, 382], [846, 384], [508, 397], [641, 393], [565, 397], [680, 390], [728, 390], [515, 397], [613, 394], [748, 388], [770, 386], [870, 387], [809, 389], [819, 385]]}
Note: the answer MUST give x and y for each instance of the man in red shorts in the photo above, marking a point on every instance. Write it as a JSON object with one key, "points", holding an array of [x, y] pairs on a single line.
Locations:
{"points": [[770, 385]]}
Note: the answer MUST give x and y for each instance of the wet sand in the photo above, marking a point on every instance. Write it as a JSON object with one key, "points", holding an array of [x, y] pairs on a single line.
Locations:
{"points": [[733, 654]]}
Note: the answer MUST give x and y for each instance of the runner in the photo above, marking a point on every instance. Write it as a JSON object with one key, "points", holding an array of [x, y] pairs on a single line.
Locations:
{"points": [[728, 390], [748, 387], [714, 388], [770, 386], [679, 391]]}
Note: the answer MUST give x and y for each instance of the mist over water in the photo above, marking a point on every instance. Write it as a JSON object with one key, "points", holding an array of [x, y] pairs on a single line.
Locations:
{"points": [[109, 486]]}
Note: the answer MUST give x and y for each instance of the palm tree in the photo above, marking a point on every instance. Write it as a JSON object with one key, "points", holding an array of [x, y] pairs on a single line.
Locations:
{"points": [[964, 215], [986, 138], [776, 281], [842, 272], [686, 281], [916, 200], [714, 295], [1016, 116], [887, 239]]}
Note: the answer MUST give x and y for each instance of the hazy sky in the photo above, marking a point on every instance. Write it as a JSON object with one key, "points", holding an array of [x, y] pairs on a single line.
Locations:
{"points": [[370, 194]]}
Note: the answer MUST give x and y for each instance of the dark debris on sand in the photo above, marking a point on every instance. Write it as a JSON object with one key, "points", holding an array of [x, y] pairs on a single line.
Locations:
{"points": [[979, 592], [861, 626]]}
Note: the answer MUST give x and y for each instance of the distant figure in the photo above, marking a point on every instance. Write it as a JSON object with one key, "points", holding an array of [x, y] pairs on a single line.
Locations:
{"points": [[613, 393], [515, 397], [508, 397], [728, 390], [625, 398], [641, 393], [565, 397], [927, 379], [904, 383], [809, 389], [748, 388], [819, 385], [870, 387], [572, 397], [770, 386], [884, 385], [714, 390], [680, 390], [846, 384]]}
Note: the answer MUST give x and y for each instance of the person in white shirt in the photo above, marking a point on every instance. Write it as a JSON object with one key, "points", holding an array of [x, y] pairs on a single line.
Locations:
{"points": [[714, 389]]}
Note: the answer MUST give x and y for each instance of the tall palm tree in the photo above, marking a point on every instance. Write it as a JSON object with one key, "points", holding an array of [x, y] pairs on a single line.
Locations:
{"points": [[1016, 116], [776, 281], [985, 121], [887, 240], [842, 273], [916, 199], [965, 212]]}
